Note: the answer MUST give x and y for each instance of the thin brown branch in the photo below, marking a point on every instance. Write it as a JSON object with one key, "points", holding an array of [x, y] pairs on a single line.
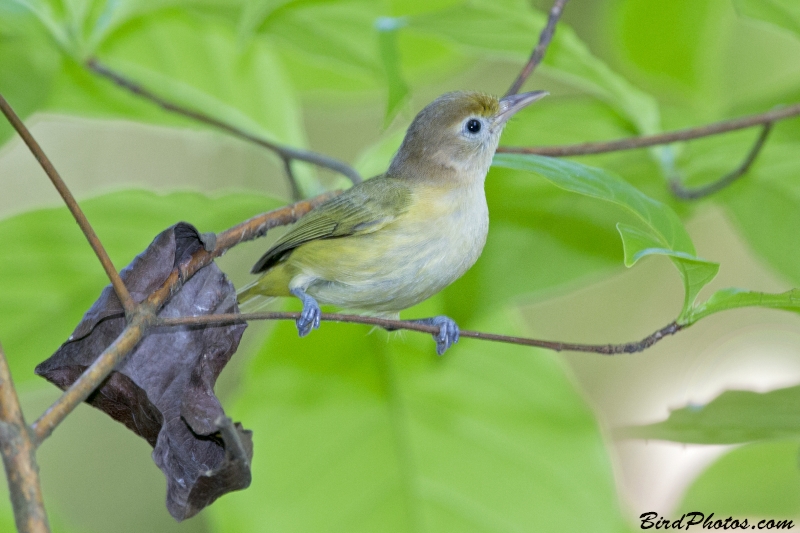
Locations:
{"points": [[285, 152], [541, 47], [605, 349], [19, 459], [287, 166], [143, 317], [72, 204], [694, 193], [645, 141]]}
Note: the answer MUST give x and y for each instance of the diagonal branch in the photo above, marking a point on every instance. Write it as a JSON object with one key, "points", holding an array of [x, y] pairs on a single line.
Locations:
{"points": [[695, 193], [605, 349], [119, 287], [287, 153], [18, 450], [645, 141], [144, 316], [538, 52], [91, 378]]}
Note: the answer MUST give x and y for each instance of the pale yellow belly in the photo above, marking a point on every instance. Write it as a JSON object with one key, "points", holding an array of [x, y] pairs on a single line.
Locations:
{"points": [[396, 267]]}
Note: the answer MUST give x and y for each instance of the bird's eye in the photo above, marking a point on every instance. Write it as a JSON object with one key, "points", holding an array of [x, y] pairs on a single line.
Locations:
{"points": [[473, 125]]}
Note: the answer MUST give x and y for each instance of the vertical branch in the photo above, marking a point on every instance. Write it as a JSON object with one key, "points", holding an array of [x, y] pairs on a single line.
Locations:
{"points": [[538, 52], [119, 287], [18, 450], [287, 166]]}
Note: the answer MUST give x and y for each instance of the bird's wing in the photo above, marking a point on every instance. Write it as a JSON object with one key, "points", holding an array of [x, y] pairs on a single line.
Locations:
{"points": [[364, 208]]}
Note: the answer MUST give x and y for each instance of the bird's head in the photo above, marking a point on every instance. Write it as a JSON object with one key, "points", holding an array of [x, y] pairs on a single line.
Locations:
{"points": [[455, 136]]}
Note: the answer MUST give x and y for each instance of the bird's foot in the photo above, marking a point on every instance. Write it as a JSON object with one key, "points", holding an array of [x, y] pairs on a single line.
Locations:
{"points": [[310, 315], [448, 331]]}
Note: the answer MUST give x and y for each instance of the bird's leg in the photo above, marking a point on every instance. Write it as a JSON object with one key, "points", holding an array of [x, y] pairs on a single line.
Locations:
{"points": [[310, 315], [448, 331]]}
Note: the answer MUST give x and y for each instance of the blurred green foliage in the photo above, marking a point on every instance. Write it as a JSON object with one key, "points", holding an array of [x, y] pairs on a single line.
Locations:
{"points": [[759, 480], [360, 432], [734, 417]]}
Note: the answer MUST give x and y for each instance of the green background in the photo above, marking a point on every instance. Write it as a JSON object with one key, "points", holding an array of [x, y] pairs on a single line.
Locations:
{"points": [[359, 430]]}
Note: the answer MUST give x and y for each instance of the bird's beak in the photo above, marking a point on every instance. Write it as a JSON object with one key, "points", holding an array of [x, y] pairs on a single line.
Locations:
{"points": [[512, 103]]}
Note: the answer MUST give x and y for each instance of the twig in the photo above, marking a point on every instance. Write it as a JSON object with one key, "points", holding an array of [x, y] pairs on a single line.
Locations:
{"points": [[631, 143], [694, 193], [541, 47], [91, 378], [285, 152], [119, 287], [287, 165], [605, 349], [19, 459], [143, 318]]}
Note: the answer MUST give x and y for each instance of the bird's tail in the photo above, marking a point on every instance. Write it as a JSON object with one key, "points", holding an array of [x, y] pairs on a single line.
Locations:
{"points": [[250, 298]]}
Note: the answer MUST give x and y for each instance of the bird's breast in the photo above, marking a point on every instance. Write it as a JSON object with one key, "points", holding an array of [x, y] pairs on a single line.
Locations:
{"points": [[432, 244]]}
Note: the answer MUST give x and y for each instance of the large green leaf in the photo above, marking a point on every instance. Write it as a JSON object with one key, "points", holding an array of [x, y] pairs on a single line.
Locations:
{"points": [[509, 28], [733, 417], [783, 13], [661, 231], [54, 276], [768, 214], [356, 432], [29, 63], [757, 481], [398, 89], [186, 56], [343, 48], [80, 26], [195, 61], [733, 298]]}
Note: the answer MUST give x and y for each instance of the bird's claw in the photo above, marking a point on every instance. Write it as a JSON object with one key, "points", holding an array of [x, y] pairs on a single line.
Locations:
{"points": [[448, 332], [309, 319], [310, 315]]}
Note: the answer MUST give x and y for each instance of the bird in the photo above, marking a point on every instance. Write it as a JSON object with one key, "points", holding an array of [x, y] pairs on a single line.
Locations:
{"points": [[396, 239]]}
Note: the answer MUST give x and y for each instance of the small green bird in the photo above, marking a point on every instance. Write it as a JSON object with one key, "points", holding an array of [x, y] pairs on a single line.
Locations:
{"points": [[394, 240]]}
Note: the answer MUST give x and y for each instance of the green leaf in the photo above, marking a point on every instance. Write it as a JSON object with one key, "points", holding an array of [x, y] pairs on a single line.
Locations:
{"points": [[29, 64], [397, 87], [757, 481], [340, 34], [733, 298], [733, 417], [661, 233], [54, 276], [196, 62], [664, 40], [186, 57], [638, 243], [768, 214], [508, 28], [356, 432], [782, 13]]}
